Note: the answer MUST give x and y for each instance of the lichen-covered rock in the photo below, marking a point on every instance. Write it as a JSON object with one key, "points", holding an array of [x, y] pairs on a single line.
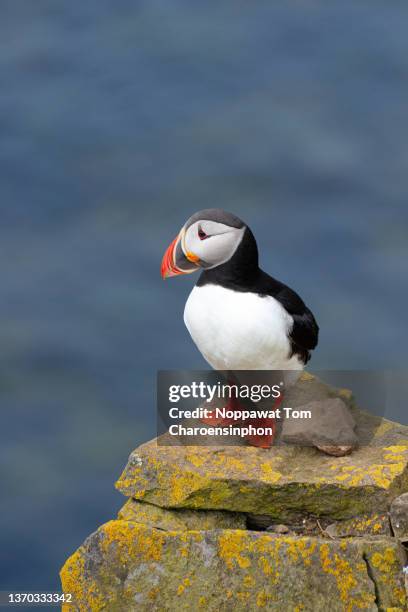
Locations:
{"points": [[279, 484], [385, 559], [374, 524], [125, 566], [399, 517], [282, 482], [180, 520], [180, 541], [364, 525]]}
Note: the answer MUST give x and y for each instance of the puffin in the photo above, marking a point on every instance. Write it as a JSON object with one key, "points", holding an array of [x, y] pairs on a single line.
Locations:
{"points": [[238, 316]]}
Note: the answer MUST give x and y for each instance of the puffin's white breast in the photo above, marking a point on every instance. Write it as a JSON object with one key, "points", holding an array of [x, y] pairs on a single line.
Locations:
{"points": [[239, 331]]}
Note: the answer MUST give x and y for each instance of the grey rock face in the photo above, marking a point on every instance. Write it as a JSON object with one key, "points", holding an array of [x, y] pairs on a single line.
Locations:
{"points": [[399, 517], [331, 425]]}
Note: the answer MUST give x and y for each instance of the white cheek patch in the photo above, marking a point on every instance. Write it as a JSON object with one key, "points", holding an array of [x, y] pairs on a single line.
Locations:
{"points": [[219, 247], [222, 247]]}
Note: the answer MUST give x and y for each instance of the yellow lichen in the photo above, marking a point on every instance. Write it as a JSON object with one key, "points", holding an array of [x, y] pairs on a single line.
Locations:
{"points": [[371, 524], [384, 428], [261, 599], [381, 475], [249, 580], [385, 561], [197, 459], [265, 566], [232, 548], [230, 463], [132, 540], [74, 582], [269, 474], [396, 449], [183, 585], [297, 549], [182, 484], [346, 582]]}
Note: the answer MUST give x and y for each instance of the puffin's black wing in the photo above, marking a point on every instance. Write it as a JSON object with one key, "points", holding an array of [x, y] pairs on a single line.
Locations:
{"points": [[305, 331]]}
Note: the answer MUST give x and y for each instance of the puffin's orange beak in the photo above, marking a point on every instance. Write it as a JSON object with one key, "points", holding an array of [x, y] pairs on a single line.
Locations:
{"points": [[176, 262], [168, 265]]}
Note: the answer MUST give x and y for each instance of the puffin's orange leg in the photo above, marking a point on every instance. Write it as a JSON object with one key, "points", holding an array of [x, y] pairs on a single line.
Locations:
{"points": [[213, 420], [265, 441], [232, 405]]}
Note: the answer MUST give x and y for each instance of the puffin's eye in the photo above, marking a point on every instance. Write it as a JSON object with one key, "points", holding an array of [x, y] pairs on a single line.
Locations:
{"points": [[201, 234]]}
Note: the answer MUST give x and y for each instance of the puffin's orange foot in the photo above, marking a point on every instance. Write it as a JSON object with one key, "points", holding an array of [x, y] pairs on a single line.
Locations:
{"points": [[262, 441], [214, 420]]}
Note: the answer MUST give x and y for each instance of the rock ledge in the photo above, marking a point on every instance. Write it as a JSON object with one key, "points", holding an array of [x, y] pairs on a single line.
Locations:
{"points": [[192, 533]]}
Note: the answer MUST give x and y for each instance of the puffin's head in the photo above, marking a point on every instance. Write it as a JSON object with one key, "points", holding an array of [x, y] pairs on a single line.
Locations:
{"points": [[208, 239]]}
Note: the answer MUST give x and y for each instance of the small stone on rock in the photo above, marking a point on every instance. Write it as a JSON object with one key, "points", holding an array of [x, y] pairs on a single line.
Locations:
{"points": [[279, 528], [330, 425], [336, 451]]}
